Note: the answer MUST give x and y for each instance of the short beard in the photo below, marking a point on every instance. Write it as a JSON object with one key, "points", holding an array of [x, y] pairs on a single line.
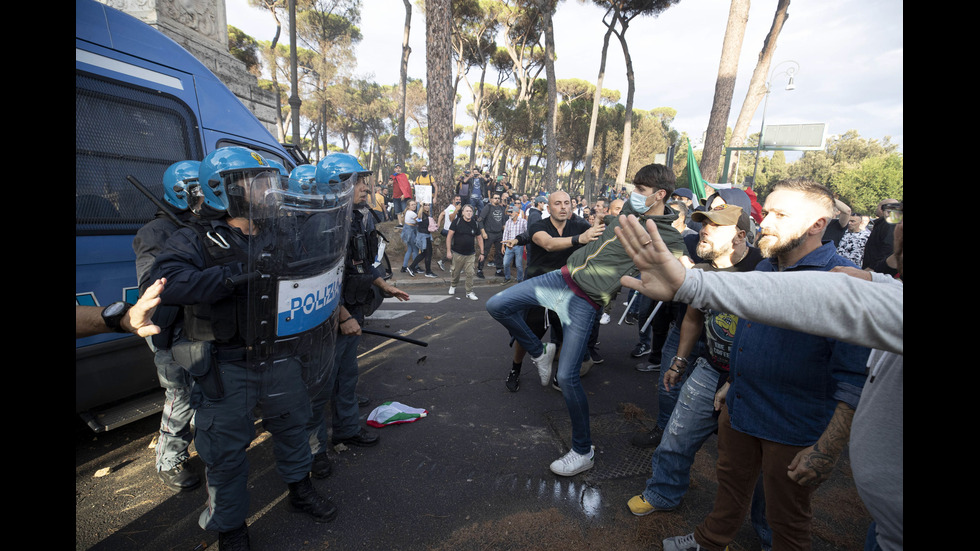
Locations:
{"points": [[781, 246], [709, 252]]}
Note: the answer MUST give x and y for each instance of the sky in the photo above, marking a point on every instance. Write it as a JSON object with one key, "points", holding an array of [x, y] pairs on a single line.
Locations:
{"points": [[849, 56]]}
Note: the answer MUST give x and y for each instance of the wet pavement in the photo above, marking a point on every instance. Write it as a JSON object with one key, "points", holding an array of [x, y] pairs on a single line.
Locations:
{"points": [[472, 474]]}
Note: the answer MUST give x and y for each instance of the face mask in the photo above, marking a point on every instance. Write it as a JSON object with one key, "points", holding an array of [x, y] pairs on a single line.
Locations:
{"points": [[638, 202]]}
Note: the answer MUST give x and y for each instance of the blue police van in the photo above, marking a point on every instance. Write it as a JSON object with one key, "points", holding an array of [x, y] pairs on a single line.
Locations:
{"points": [[142, 102]]}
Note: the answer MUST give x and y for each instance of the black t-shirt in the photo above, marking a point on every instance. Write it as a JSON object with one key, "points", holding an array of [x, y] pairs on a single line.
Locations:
{"points": [[493, 218], [834, 232], [464, 236], [540, 261]]}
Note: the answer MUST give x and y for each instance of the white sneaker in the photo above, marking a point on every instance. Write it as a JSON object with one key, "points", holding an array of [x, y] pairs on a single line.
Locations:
{"points": [[543, 363], [452, 290], [573, 463], [471, 296], [605, 319]]}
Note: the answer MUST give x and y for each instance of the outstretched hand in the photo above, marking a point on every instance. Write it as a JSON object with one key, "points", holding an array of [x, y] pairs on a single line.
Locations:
{"points": [[661, 274], [138, 319]]}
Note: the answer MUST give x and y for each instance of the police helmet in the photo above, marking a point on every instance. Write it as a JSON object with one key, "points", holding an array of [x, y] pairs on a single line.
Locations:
{"points": [[335, 168], [178, 181], [303, 179], [228, 174]]}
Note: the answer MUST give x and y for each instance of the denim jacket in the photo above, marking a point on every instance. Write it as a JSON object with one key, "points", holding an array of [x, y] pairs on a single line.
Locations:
{"points": [[786, 384]]}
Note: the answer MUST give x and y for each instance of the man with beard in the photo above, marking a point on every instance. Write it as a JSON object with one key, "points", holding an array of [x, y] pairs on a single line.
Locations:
{"points": [[724, 248], [790, 397], [837, 307]]}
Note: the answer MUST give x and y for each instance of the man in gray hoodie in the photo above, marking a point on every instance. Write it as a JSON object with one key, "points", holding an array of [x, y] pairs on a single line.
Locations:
{"points": [[577, 292]]}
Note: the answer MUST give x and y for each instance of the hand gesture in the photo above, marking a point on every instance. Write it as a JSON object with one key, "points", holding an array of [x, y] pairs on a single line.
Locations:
{"points": [[138, 319]]}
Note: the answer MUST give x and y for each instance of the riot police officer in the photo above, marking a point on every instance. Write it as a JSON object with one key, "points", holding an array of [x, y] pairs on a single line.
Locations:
{"points": [[237, 371], [182, 192], [361, 279]]}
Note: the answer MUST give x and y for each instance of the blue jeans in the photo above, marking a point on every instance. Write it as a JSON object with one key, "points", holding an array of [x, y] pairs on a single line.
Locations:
{"points": [[667, 398], [516, 255], [576, 315], [693, 420]]}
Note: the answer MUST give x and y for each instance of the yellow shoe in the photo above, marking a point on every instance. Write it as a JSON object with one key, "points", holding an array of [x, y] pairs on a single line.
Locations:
{"points": [[640, 507]]}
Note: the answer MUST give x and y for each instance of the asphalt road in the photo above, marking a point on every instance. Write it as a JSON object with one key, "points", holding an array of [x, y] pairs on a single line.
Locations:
{"points": [[473, 474]]}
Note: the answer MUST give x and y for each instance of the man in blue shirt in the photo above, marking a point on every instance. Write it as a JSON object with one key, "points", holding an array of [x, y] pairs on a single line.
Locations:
{"points": [[788, 409]]}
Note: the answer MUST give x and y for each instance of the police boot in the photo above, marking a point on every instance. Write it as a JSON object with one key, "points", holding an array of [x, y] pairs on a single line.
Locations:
{"points": [[321, 466], [234, 540], [304, 497], [180, 478]]}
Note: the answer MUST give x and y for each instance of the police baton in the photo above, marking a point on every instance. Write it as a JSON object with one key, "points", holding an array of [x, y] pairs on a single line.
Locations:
{"points": [[393, 336], [156, 201]]}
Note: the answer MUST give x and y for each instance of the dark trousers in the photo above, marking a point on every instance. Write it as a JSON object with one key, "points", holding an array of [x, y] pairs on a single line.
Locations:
{"points": [[740, 457]]}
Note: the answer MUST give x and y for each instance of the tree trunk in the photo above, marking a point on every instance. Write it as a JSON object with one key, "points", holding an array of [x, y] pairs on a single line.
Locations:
{"points": [[628, 124], [757, 86], [403, 83], [551, 140], [594, 121], [738, 18], [440, 98]]}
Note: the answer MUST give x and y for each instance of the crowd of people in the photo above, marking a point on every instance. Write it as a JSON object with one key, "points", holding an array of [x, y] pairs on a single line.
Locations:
{"points": [[782, 379], [753, 338]]}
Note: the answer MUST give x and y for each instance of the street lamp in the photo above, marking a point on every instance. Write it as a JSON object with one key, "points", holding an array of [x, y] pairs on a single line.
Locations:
{"points": [[790, 71]]}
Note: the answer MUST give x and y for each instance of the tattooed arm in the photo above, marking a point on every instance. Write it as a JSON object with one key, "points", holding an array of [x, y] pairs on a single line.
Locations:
{"points": [[813, 465]]}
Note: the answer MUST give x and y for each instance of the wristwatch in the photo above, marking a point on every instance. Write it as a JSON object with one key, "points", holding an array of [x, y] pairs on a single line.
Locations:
{"points": [[112, 315]]}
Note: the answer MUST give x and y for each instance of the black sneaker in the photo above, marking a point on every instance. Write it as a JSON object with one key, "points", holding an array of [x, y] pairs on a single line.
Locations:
{"points": [[641, 350], [404, 270], [554, 383], [491, 264], [514, 380], [441, 267], [410, 271], [631, 318], [648, 439], [479, 274], [596, 358]]}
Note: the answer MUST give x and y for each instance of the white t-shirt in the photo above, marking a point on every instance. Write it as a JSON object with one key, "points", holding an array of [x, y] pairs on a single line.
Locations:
{"points": [[448, 212], [410, 217]]}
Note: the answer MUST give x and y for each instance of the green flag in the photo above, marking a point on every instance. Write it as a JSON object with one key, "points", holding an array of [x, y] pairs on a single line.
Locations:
{"points": [[696, 182]]}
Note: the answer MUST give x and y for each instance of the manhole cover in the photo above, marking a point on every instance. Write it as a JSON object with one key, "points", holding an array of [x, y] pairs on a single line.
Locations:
{"points": [[615, 456]]}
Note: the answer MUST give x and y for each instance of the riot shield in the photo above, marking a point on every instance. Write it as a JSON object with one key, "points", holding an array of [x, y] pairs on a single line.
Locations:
{"points": [[296, 266]]}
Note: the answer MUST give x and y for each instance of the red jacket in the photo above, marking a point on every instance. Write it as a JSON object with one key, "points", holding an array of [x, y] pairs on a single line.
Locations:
{"points": [[402, 189]]}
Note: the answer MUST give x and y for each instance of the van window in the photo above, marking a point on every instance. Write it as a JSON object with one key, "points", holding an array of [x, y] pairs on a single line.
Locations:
{"points": [[123, 130]]}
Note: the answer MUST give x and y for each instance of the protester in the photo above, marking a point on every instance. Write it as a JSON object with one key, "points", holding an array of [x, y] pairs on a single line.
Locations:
{"points": [[837, 307], [409, 233], [401, 193], [446, 218], [549, 241], [514, 254], [423, 241], [792, 395], [577, 292], [121, 317], [464, 246]]}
